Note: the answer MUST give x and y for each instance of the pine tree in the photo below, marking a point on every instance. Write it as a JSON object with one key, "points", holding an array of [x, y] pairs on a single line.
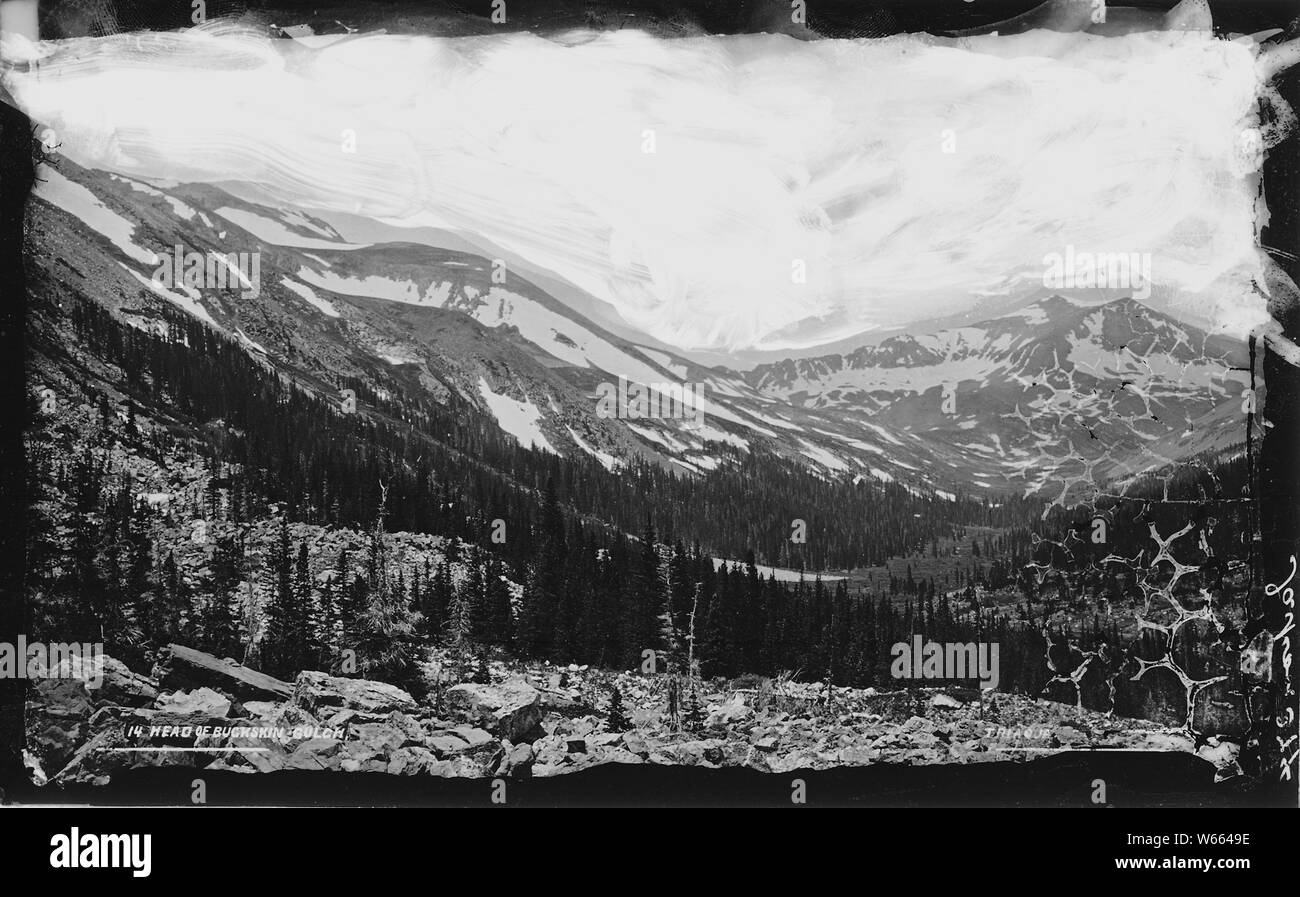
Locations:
{"points": [[545, 580], [219, 622], [615, 717], [483, 673], [498, 622], [694, 718], [438, 599], [167, 611], [459, 626], [474, 598], [212, 494], [388, 645], [650, 625], [314, 626], [286, 636]]}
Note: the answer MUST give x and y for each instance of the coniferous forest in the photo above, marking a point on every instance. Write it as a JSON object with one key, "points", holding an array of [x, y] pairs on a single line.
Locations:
{"points": [[535, 555]]}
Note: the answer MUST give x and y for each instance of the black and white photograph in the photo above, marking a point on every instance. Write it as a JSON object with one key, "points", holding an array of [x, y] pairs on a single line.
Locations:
{"points": [[783, 403]]}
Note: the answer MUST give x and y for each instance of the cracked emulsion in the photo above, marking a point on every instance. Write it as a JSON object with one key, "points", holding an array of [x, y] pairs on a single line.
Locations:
{"points": [[1073, 469]]}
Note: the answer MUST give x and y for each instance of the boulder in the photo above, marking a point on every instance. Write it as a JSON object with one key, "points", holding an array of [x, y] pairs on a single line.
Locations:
{"points": [[202, 701], [180, 668], [415, 761], [261, 709], [117, 684], [475, 762], [370, 752], [510, 710], [472, 736], [857, 755], [409, 726], [382, 738], [635, 744], [730, 714], [61, 708], [706, 752], [314, 691], [61, 698], [54, 743], [560, 702], [96, 761], [148, 718], [314, 754], [549, 753], [518, 762], [291, 718], [446, 744], [1068, 735], [576, 727]]}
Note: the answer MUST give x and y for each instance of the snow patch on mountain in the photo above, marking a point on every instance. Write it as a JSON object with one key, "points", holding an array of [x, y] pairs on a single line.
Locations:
{"points": [[299, 220], [664, 360], [782, 574], [189, 300], [850, 441], [307, 294], [708, 433], [882, 433], [667, 440], [182, 210], [249, 342], [76, 200], [521, 419], [713, 409], [558, 335], [608, 461], [276, 233], [917, 379], [821, 456], [707, 462], [376, 286]]}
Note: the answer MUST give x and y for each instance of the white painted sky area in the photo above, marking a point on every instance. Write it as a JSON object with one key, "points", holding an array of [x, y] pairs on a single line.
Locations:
{"points": [[684, 181]]}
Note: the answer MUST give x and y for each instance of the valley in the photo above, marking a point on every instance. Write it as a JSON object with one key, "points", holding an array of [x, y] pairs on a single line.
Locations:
{"points": [[383, 454]]}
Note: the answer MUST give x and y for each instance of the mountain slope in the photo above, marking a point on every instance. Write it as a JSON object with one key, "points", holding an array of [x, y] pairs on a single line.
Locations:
{"points": [[1039, 396], [1055, 393]]}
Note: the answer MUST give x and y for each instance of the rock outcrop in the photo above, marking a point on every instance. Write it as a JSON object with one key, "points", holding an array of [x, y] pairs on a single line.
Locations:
{"points": [[180, 668], [249, 722], [314, 691], [511, 710]]}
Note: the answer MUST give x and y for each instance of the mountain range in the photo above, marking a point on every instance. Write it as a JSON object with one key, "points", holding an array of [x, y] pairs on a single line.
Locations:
{"points": [[1032, 402]]}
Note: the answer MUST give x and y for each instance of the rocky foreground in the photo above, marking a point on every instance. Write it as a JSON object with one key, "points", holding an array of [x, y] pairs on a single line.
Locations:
{"points": [[532, 721]]}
